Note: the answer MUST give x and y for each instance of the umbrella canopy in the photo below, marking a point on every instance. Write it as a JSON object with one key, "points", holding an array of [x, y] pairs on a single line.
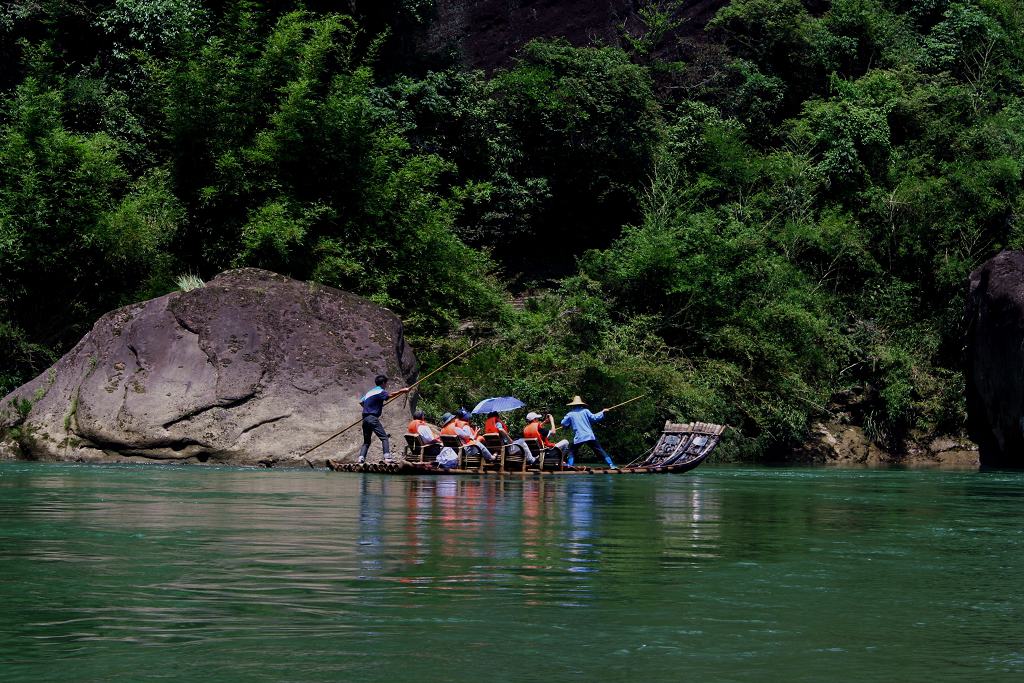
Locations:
{"points": [[498, 404]]}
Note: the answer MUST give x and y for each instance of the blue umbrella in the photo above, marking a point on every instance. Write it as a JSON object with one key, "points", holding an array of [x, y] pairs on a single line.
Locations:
{"points": [[497, 405]]}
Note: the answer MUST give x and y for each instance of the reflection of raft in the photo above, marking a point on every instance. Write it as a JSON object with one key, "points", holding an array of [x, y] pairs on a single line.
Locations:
{"points": [[681, 448]]}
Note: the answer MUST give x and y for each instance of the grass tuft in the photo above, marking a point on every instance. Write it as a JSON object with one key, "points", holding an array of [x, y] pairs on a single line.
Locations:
{"points": [[188, 282]]}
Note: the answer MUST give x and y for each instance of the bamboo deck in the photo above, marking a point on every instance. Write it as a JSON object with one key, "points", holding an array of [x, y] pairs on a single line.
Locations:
{"points": [[681, 448]]}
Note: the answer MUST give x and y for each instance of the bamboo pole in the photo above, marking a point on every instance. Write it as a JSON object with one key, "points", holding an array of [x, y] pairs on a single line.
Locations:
{"points": [[439, 369], [410, 388], [619, 405]]}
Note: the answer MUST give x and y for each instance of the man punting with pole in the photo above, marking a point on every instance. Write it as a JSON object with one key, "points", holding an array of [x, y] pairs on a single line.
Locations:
{"points": [[373, 405]]}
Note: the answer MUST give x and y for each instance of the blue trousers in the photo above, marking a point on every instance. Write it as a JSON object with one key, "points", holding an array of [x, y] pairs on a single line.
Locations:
{"points": [[595, 446], [371, 426]]}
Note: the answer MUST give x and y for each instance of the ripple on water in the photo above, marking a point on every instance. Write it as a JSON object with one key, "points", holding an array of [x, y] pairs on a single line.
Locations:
{"points": [[138, 573]]}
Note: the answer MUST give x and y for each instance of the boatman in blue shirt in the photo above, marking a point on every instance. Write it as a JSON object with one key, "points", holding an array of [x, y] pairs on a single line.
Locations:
{"points": [[373, 405], [581, 420]]}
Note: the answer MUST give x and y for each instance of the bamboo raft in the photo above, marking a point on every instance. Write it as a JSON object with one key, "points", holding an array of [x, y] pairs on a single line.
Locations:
{"points": [[681, 448]]}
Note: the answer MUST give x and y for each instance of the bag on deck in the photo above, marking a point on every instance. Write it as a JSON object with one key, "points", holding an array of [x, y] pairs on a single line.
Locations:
{"points": [[447, 458]]}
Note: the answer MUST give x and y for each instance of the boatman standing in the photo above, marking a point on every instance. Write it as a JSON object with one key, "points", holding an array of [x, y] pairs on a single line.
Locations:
{"points": [[373, 405], [581, 420]]}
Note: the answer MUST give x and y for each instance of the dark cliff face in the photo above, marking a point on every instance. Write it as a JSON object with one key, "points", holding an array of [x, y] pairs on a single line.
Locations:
{"points": [[487, 33], [995, 360]]}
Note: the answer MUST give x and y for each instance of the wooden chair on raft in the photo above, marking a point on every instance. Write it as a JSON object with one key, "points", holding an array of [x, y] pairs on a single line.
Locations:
{"points": [[515, 458], [547, 458], [472, 458], [413, 448], [509, 455], [494, 444], [417, 451]]}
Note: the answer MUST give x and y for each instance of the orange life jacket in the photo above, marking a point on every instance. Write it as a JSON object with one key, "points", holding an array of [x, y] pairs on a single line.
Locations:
{"points": [[532, 431], [414, 426], [459, 423], [492, 425]]}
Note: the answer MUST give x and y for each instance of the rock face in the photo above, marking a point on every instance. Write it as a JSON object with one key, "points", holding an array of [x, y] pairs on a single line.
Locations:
{"points": [[844, 444], [843, 440], [253, 368], [487, 33], [995, 359]]}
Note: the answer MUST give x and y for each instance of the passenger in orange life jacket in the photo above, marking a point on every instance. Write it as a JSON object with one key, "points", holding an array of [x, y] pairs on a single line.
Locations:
{"points": [[536, 428], [495, 425], [423, 429], [460, 426], [428, 435]]}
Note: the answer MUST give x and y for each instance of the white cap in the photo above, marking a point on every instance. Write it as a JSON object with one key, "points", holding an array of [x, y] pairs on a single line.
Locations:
{"points": [[533, 416]]}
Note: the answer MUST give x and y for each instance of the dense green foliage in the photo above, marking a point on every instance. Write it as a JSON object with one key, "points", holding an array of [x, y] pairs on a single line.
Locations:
{"points": [[786, 215]]}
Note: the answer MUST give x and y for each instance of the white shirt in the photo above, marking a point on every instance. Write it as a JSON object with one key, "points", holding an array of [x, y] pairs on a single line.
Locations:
{"points": [[426, 434]]}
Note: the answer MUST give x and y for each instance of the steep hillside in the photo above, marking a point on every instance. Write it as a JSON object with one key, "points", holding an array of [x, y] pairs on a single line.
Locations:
{"points": [[488, 33]]}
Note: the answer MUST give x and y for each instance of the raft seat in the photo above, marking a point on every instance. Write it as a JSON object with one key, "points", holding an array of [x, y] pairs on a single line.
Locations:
{"points": [[472, 458], [497, 448], [417, 451], [509, 456], [547, 458], [413, 448]]}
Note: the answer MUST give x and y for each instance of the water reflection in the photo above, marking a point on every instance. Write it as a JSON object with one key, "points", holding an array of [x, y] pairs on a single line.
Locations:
{"points": [[343, 577], [523, 535], [371, 519]]}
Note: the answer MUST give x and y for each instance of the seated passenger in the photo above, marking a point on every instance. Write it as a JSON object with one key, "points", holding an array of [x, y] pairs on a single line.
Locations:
{"points": [[537, 429], [423, 429], [460, 426], [495, 425], [428, 436]]}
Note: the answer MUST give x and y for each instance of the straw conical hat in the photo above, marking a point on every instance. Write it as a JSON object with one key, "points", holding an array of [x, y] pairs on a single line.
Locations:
{"points": [[577, 401]]}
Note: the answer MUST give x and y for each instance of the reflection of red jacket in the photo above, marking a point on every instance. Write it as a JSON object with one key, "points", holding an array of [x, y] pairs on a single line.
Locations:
{"points": [[533, 431]]}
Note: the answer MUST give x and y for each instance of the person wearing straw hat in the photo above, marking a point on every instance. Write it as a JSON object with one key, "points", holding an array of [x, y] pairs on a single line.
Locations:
{"points": [[581, 421]]}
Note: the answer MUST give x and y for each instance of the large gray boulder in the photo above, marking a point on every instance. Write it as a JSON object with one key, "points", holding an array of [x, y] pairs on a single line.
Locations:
{"points": [[252, 368], [995, 360]]}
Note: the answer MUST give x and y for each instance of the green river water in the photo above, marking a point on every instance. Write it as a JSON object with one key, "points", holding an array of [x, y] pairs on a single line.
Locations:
{"points": [[725, 574]]}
